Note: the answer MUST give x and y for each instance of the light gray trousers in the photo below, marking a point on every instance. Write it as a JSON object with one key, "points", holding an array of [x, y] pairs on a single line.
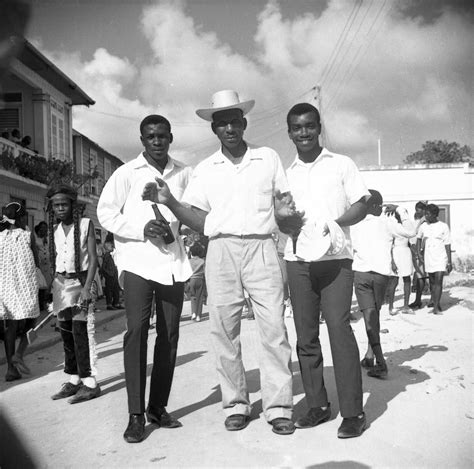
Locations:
{"points": [[235, 263]]}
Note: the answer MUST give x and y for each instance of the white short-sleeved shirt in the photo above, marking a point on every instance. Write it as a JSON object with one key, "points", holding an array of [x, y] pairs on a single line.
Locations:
{"points": [[122, 211], [373, 238], [238, 198], [325, 189]]}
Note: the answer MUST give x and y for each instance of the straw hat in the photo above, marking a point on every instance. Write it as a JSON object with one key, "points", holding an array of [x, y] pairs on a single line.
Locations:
{"points": [[223, 100]]}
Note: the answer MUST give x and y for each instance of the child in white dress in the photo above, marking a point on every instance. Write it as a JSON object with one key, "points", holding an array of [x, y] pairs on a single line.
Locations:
{"points": [[434, 248]]}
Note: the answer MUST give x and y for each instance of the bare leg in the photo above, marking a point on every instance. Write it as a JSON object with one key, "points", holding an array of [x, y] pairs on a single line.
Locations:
{"points": [[436, 283], [391, 287], [10, 339], [406, 290]]}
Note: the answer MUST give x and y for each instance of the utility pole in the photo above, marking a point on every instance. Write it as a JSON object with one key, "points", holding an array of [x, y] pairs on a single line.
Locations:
{"points": [[379, 152], [317, 100]]}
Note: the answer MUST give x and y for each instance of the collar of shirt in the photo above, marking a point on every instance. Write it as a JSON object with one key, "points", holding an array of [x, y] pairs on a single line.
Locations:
{"points": [[219, 158], [325, 153], [141, 162]]}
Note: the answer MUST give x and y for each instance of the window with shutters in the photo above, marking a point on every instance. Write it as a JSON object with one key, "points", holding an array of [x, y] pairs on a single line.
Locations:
{"points": [[58, 144]]}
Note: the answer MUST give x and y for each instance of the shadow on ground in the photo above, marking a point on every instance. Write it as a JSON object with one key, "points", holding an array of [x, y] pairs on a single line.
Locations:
{"points": [[400, 376]]}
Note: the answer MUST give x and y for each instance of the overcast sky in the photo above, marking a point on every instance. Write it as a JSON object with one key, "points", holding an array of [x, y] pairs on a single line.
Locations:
{"points": [[399, 71]]}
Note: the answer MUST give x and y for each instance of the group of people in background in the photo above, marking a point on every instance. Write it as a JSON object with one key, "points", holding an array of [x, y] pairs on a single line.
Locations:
{"points": [[15, 137], [278, 241]]}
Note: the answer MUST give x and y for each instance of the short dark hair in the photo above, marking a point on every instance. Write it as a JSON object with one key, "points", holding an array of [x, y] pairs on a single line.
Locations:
{"points": [[197, 250], [300, 109], [39, 225], [375, 198], [433, 209], [421, 205], [154, 119]]}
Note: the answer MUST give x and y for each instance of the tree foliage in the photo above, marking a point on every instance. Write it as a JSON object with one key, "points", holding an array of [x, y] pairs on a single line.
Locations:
{"points": [[440, 151]]}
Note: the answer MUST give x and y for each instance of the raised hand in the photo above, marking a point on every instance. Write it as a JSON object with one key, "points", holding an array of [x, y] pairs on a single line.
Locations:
{"points": [[157, 192]]}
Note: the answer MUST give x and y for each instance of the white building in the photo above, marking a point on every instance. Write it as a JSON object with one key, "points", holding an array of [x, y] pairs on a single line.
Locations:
{"points": [[448, 185]]}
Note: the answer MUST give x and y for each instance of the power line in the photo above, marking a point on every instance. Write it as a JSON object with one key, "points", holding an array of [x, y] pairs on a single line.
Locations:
{"points": [[341, 61], [340, 41], [358, 56]]}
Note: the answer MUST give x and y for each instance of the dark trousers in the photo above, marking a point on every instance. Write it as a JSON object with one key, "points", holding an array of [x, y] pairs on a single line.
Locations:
{"points": [[73, 328], [196, 294], [112, 290], [326, 287], [138, 294]]}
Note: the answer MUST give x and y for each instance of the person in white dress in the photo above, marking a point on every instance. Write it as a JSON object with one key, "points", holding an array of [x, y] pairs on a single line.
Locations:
{"points": [[434, 248], [18, 286], [402, 267]]}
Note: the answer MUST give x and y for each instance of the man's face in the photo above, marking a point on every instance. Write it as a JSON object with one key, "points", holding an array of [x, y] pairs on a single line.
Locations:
{"points": [[431, 217], [419, 213], [156, 139], [304, 131], [229, 127]]}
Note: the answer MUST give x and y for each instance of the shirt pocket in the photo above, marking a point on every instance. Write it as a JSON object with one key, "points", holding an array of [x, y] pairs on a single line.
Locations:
{"points": [[264, 200]]}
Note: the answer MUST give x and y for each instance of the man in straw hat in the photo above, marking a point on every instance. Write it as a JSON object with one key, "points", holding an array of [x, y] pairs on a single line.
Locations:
{"points": [[331, 192], [235, 195]]}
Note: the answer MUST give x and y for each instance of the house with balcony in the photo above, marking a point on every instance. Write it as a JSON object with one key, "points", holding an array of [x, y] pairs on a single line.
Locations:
{"points": [[37, 100]]}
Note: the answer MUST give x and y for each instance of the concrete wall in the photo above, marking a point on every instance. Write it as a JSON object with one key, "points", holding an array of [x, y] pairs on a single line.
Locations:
{"points": [[444, 184]]}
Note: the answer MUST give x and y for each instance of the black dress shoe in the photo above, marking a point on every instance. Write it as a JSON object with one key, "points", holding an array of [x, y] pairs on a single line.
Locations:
{"points": [[283, 426], [85, 393], [136, 429], [315, 416], [67, 390], [352, 426], [236, 422], [378, 371], [162, 418]]}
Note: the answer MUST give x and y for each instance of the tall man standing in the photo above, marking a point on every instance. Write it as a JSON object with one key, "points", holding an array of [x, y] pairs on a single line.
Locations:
{"points": [[148, 266], [328, 188], [232, 196]]}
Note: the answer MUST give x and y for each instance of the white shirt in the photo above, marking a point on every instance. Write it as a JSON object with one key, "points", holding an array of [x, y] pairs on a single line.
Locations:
{"points": [[122, 211], [372, 240], [64, 245], [325, 189], [238, 198]]}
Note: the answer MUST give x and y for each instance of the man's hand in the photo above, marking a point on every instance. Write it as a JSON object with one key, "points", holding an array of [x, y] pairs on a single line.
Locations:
{"points": [[155, 228], [292, 224], [390, 209], [284, 205], [157, 192], [394, 267], [449, 267]]}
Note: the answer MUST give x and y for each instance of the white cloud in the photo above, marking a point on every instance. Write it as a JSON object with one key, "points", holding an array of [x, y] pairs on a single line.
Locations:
{"points": [[410, 71]]}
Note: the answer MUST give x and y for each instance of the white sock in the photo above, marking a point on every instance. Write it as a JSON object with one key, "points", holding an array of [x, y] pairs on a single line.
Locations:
{"points": [[74, 379], [90, 382]]}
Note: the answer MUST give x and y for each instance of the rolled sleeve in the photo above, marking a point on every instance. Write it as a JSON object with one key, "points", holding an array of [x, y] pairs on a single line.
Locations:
{"points": [[195, 193], [280, 182], [110, 207], [353, 183]]}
